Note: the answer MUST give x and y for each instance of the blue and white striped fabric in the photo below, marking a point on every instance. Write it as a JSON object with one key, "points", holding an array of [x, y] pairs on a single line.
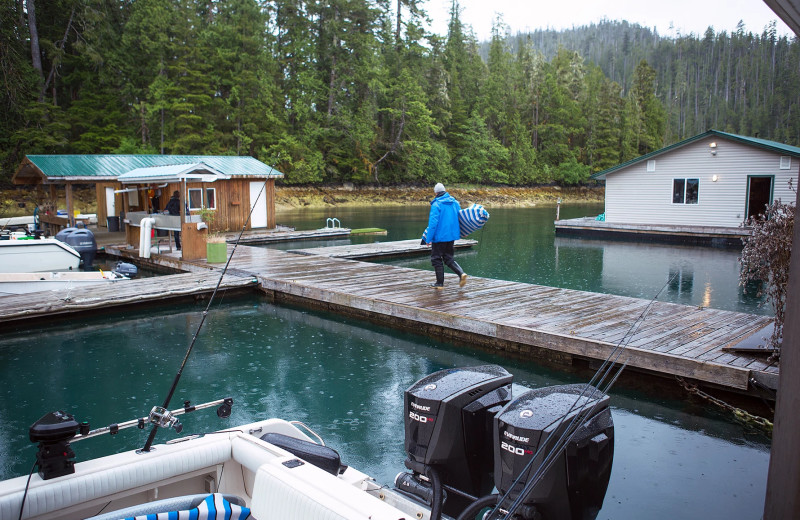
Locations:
{"points": [[472, 219], [214, 507]]}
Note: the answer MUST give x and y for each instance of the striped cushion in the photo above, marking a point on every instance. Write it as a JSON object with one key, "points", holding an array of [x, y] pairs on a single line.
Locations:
{"points": [[214, 507], [472, 219]]}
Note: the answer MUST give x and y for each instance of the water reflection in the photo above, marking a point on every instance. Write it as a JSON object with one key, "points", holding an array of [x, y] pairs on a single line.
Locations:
{"points": [[346, 379]]}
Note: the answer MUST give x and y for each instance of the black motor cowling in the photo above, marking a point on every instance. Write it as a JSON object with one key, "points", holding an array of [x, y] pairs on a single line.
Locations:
{"points": [[448, 427], [53, 432], [82, 241], [126, 269], [575, 484]]}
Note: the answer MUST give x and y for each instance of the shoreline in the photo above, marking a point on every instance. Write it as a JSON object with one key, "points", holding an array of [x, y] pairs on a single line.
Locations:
{"points": [[21, 201], [292, 197]]}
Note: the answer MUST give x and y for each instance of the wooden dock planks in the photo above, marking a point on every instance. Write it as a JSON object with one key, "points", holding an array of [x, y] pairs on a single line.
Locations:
{"points": [[523, 318], [141, 290]]}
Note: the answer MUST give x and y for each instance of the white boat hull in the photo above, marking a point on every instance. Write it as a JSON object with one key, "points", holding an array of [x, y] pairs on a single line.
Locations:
{"points": [[24, 283], [233, 462], [34, 256]]}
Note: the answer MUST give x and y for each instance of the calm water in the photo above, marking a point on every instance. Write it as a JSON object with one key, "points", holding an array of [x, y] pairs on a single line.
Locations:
{"points": [[346, 380], [519, 244], [673, 456]]}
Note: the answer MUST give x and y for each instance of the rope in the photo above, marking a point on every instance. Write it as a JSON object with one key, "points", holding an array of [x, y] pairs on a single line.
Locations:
{"points": [[743, 416]]}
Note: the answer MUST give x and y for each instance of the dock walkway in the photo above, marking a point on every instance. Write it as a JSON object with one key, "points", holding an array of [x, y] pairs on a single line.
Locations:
{"points": [[377, 250], [529, 320]]}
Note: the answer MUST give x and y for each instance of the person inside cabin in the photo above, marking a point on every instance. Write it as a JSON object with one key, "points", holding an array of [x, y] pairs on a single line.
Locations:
{"points": [[174, 208], [442, 231]]}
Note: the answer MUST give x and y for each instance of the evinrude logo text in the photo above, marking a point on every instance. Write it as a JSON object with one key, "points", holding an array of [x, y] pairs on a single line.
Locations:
{"points": [[517, 437], [420, 407]]}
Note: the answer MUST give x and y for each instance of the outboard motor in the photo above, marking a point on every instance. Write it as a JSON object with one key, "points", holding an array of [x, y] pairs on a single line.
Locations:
{"points": [[82, 241], [575, 484], [448, 433], [126, 269]]}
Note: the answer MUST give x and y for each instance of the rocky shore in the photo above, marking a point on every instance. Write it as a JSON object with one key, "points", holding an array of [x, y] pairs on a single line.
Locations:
{"points": [[288, 197]]}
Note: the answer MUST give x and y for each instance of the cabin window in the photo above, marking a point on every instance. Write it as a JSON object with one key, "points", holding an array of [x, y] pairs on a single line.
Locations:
{"points": [[786, 162], [651, 165], [195, 198], [685, 191], [211, 198]]}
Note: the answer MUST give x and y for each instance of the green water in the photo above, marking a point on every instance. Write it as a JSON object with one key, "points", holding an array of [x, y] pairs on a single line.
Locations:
{"points": [[673, 456], [346, 380]]}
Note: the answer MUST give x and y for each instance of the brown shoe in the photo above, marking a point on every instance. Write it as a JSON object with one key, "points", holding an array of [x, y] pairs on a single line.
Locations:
{"points": [[463, 280]]}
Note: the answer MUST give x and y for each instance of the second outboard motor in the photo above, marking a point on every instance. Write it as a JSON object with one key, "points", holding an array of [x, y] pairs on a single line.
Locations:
{"points": [[82, 241], [448, 426], [575, 484], [126, 269]]}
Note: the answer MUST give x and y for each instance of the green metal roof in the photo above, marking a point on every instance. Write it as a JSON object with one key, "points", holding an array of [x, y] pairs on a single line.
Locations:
{"points": [[772, 146], [108, 167]]}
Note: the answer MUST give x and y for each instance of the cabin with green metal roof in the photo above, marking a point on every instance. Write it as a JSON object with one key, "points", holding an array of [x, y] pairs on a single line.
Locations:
{"points": [[230, 186], [711, 179], [707, 184]]}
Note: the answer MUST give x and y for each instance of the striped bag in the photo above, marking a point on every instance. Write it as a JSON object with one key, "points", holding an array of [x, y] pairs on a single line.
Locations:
{"points": [[472, 219]]}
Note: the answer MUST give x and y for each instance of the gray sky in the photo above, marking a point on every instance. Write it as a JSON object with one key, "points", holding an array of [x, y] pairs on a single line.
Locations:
{"points": [[669, 17]]}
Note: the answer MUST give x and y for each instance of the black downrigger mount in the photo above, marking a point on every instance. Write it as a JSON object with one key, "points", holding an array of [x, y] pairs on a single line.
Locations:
{"points": [[465, 436], [56, 430]]}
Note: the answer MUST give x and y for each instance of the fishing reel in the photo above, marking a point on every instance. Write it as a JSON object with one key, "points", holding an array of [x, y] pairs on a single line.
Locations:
{"points": [[163, 418]]}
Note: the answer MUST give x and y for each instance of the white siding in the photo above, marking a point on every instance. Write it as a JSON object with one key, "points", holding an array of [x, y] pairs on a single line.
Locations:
{"points": [[636, 196]]}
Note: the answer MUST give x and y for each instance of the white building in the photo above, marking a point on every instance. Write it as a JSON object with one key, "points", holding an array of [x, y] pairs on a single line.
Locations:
{"points": [[712, 179]]}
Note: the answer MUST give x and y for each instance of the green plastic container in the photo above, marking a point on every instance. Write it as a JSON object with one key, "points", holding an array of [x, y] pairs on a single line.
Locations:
{"points": [[216, 252]]}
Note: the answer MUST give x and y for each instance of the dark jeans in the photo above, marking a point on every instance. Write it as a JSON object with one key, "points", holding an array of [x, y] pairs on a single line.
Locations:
{"points": [[177, 235], [442, 254]]}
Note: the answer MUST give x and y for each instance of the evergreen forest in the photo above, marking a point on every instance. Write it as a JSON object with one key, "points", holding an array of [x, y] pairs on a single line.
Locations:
{"points": [[358, 91]]}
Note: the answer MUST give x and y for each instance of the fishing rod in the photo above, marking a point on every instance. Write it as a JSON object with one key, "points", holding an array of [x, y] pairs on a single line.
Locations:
{"points": [[584, 410], [172, 389]]}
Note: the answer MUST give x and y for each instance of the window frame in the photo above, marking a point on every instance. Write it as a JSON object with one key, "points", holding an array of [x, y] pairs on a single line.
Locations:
{"points": [[689, 190], [189, 200]]}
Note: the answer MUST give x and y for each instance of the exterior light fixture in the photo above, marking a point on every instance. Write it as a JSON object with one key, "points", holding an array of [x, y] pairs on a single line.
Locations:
{"points": [[713, 147], [714, 178]]}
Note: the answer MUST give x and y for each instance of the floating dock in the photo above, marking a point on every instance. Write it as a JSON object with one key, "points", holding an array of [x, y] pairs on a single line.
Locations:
{"points": [[714, 236], [381, 250], [528, 320]]}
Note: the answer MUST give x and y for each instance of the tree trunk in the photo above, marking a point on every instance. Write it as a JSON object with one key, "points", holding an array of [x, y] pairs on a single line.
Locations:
{"points": [[36, 53]]}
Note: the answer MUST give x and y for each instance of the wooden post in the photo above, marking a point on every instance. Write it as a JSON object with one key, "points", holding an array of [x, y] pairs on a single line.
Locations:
{"points": [[70, 214], [783, 478]]}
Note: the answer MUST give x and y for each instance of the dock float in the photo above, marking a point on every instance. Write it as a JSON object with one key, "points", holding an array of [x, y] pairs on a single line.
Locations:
{"points": [[290, 235], [524, 320], [383, 250], [714, 236], [19, 307]]}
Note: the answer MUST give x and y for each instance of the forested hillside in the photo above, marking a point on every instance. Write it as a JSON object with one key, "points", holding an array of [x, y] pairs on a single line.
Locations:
{"points": [[356, 90]]}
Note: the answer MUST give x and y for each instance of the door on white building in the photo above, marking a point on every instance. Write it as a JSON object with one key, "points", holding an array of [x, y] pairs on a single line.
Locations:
{"points": [[759, 194], [258, 205]]}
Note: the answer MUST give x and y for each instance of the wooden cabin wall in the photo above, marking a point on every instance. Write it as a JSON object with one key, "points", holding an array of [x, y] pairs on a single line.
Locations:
{"points": [[233, 202]]}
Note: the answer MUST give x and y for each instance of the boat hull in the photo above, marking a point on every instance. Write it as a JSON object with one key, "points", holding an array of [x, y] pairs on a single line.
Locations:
{"points": [[35, 256], [24, 283]]}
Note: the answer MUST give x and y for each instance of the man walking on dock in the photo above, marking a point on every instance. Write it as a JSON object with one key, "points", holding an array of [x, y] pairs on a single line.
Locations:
{"points": [[442, 231]]}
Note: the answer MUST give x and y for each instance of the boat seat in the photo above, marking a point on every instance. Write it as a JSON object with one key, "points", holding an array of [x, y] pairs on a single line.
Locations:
{"points": [[162, 506], [108, 476]]}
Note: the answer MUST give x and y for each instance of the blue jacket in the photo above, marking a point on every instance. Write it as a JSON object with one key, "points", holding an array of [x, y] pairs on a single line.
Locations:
{"points": [[443, 220]]}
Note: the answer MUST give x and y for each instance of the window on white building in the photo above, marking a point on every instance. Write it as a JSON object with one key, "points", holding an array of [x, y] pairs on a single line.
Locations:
{"points": [[786, 162], [685, 191], [651, 165]]}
